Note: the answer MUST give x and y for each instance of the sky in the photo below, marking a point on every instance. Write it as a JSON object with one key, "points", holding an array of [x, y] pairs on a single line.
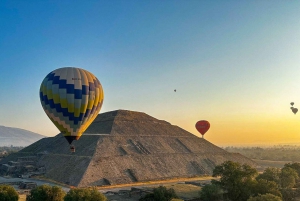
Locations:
{"points": [[235, 63]]}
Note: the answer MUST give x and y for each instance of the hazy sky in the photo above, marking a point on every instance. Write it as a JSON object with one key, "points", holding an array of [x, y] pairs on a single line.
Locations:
{"points": [[233, 63]]}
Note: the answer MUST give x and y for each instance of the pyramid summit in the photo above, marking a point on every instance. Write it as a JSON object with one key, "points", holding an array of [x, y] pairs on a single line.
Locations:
{"points": [[122, 147]]}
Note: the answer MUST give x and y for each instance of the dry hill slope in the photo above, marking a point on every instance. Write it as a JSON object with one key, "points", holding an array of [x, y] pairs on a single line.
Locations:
{"points": [[124, 147]]}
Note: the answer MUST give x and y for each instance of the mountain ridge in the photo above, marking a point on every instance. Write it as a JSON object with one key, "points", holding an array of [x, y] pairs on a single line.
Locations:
{"points": [[17, 136]]}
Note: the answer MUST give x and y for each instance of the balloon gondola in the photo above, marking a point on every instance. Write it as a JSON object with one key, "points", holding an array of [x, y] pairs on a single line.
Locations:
{"points": [[72, 98]]}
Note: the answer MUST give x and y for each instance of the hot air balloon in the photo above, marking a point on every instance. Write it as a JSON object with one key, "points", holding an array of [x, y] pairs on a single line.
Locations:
{"points": [[72, 98], [202, 126], [292, 103], [294, 110]]}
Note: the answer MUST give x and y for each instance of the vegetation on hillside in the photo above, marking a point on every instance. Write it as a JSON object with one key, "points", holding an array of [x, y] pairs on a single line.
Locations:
{"points": [[275, 153]]}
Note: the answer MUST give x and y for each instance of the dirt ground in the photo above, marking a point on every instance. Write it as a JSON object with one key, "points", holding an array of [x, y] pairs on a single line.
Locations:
{"points": [[22, 198]]}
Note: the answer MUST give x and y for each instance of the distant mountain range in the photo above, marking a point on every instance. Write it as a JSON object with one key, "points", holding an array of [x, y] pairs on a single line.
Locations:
{"points": [[17, 137]]}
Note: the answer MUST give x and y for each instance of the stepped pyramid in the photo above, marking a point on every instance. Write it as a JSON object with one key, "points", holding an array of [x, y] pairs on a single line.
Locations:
{"points": [[122, 147]]}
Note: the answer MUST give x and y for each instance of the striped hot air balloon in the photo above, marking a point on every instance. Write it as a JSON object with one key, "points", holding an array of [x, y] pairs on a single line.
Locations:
{"points": [[72, 98]]}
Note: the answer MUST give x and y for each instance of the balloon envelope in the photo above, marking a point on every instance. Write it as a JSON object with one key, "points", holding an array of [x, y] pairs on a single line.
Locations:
{"points": [[72, 98], [294, 110], [202, 126], [292, 103]]}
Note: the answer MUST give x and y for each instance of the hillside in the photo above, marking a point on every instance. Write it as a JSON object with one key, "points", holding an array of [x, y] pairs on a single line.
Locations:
{"points": [[17, 137]]}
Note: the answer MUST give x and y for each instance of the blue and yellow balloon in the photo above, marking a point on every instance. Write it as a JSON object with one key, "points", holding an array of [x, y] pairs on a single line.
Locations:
{"points": [[72, 98]]}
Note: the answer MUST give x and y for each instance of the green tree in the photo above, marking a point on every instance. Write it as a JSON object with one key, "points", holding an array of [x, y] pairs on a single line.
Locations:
{"points": [[264, 186], [270, 174], [288, 194], [84, 194], [265, 197], [46, 193], [295, 166], [211, 192], [238, 181], [288, 177], [8, 193], [160, 194]]}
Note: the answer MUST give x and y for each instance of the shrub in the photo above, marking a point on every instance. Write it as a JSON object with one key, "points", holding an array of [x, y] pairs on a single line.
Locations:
{"points": [[8, 193], [84, 194], [160, 194], [46, 193]]}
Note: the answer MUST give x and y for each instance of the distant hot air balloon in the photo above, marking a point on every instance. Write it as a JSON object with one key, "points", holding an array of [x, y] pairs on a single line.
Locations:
{"points": [[72, 98], [202, 126], [294, 110], [292, 103]]}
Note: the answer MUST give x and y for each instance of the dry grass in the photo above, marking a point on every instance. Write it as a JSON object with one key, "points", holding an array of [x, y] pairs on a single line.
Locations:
{"points": [[185, 191], [158, 182], [22, 198]]}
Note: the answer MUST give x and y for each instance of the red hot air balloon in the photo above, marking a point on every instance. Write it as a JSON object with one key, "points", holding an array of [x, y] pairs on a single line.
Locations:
{"points": [[202, 126]]}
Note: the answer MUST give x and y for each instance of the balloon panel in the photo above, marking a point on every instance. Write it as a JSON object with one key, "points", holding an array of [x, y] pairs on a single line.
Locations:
{"points": [[202, 126], [72, 98]]}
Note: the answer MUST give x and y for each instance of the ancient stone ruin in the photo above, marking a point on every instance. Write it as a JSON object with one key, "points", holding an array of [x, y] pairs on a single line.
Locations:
{"points": [[123, 147]]}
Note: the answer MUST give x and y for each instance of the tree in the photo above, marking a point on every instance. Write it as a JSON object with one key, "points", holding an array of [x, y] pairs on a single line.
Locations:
{"points": [[8, 193], [160, 194], [84, 194], [270, 174], [238, 181], [288, 177], [211, 192], [265, 197], [264, 186], [295, 166], [46, 193], [288, 194]]}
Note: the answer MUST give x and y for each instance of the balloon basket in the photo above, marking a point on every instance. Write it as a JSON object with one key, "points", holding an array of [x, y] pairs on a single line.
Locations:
{"points": [[72, 148]]}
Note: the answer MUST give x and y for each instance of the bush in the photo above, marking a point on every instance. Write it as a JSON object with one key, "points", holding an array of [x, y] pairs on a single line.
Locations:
{"points": [[265, 197], [211, 192], [264, 187], [84, 194], [160, 194], [46, 193], [8, 193]]}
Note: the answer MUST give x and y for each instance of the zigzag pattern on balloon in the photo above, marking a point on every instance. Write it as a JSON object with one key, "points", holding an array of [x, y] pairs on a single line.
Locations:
{"points": [[71, 98]]}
